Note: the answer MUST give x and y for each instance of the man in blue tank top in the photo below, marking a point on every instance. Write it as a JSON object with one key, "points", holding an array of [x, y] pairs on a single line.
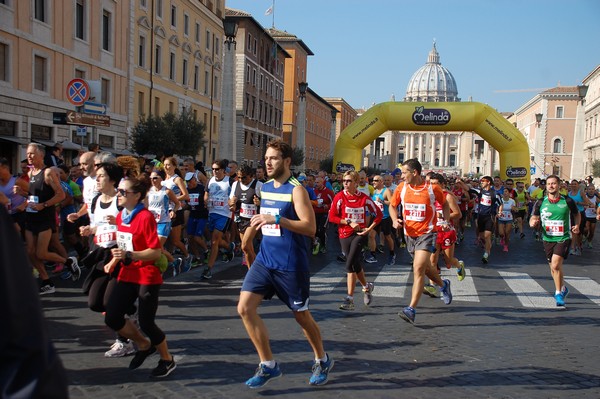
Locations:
{"points": [[281, 266]]}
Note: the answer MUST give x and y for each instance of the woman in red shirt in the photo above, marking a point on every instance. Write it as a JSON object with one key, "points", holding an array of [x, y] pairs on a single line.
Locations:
{"points": [[138, 247], [356, 214]]}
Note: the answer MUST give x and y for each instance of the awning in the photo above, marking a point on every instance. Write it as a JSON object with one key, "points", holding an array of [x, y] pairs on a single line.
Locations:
{"points": [[121, 152], [47, 143], [69, 145], [16, 140]]}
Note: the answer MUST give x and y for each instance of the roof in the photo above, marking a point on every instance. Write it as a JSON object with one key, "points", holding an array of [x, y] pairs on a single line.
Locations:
{"points": [[283, 36]]}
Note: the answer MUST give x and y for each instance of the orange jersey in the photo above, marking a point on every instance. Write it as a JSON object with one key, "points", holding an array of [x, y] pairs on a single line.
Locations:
{"points": [[418, 207]]}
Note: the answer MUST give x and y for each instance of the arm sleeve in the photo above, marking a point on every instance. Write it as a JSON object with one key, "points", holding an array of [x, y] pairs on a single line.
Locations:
{"points": [[335, 214]]}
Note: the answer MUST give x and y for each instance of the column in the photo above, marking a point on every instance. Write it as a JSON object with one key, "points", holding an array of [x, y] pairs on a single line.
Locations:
{"points": [[227, 129], [443, 143]]}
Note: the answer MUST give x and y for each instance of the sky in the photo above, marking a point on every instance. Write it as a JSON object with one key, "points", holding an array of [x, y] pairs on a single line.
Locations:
{"points": [[500, 52]]}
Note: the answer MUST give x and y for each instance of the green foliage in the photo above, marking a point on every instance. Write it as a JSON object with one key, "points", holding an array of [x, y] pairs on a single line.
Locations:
{"points": [[169, 134], [596, 168], [297, 156], [326, 164]]}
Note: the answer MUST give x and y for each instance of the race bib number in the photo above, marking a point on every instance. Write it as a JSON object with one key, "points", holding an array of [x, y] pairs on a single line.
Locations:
{"points": [[32, 200], [414, 212], [106, 235], [590, 213], [356, 215], [247, 210], [506, 215], [217, 204], [554, 228], [156, 215], [486, 200], [194, 200], [272, 230], [319, 202], [125, 241]]}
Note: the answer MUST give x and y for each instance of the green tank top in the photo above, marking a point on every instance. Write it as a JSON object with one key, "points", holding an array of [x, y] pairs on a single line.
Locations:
{"points": [[521, 201], [556, 220]]}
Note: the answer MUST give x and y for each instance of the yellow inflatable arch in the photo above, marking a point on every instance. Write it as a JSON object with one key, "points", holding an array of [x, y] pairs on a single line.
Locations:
{"points": [[439, 116]]}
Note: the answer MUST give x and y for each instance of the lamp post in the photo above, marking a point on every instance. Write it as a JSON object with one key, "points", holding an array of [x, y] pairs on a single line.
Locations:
{"points": [[227, 134], [301, 137], [577, 170], [332, 139], [539, 141]]}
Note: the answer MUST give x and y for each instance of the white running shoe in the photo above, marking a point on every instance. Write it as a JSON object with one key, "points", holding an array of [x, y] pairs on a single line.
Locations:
{"points": [[120, 349]]}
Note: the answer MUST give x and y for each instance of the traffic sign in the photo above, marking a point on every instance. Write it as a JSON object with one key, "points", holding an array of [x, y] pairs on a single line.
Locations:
{"points": [[94, 108], [78, 118], [78, 91], [81, 131], [59, 118]]}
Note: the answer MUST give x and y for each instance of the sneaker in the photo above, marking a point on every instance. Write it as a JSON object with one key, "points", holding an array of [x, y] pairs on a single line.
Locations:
{"points": [[244, 261], [446, 292], [431, 290], [368, 291], [369, 258], [74, 267], [206, 256], [58, 268], [341, 258], [391, 260], [505, 249], [47, 289], [323, 249], [565, 292], [485, 257], [461, 271], [263, 375], [348, 304], [502, 243], [320, 371], [140, 356], [316, 247], [229, 255], [164, 368], [176, 265], [66, 275], [560, 299], [206, 273], [408, 314], [380, 249], [120, 349], [589, 245], [187, 264]]}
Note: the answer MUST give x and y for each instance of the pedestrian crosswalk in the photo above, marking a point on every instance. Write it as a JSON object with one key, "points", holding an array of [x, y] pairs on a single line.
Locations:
{"points": [[394, 281]]}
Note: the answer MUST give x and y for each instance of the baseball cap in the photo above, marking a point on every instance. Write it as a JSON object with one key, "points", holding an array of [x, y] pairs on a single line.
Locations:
{"points": [[189, 175], [301, 177]]}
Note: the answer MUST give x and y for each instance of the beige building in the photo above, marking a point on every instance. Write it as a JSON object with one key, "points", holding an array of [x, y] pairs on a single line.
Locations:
{"points": [[548, 123], [591, 140], [320, 129]]}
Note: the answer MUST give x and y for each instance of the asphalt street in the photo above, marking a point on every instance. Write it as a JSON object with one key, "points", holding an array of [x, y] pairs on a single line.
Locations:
{"points": [[502, 337]]}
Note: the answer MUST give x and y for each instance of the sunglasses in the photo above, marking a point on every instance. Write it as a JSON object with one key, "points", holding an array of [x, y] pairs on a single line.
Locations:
{"points": [[376, 179], [217, 168], [348, 181], [124, 193], [155, 178]]}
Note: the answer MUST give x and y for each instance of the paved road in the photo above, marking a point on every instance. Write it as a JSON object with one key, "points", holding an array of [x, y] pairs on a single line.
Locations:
{"points": [[502, 337]]}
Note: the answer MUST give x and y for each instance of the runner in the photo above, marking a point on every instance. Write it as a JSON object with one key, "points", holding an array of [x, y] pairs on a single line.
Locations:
{"points": [[505, 219], [559, 218], [382, 197], [581, 202], [281, 266], [486, 215], [197, 219], [356, 215], [591, 213], [174, 182], [417, 198], [522, 199], [324, 199]]}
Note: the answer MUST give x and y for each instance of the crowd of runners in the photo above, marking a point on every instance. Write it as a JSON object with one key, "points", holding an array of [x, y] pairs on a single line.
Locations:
{"points": [[125, 223]]}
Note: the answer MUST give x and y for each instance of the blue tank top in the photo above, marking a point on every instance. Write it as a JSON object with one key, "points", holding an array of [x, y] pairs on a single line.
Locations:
{"points": [[384, 208], [577, 198], [281, 249]]}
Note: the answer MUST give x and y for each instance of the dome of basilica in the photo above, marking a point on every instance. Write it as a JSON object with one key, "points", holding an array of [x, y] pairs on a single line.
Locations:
{"points": [[432, 82]]}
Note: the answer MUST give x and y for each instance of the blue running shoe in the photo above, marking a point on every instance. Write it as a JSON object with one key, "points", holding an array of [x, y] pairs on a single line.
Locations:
{"points": [[320, 371], [565, 292], [446, 293], [560, 299], [408, 314], [263, 375]]}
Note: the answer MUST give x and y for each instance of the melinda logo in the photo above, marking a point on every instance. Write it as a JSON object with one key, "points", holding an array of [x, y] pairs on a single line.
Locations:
{"points": [[431, 116], [516, 172], [343, 167]]}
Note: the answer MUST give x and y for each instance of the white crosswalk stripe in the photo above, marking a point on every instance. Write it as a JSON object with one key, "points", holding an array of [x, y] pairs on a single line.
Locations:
{"points": [[461, 290], [391, 282], [327, 278], [586, 286], [529, 292]]}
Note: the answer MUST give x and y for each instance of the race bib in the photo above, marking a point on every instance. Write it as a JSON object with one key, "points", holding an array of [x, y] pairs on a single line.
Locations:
{"points": [[590, 213], [247, 210], [414, 212], [506, 215], [32, 200], [554, 228], [125, 241], [272, 230], [194, 200], [156, 215], [216, 203], [380, 205], [486, 200], [356, 215], [319, 202], [106, 235]]}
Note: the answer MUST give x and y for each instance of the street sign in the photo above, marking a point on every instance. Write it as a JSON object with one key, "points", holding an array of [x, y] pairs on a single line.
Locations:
{"points": [[78, 91], [94, 108], [81, 131], [78, 118], [59, 118], [532, 170]]}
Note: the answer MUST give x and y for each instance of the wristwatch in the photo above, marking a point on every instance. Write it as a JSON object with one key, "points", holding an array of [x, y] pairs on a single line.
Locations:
{"points": [[348, 221]]}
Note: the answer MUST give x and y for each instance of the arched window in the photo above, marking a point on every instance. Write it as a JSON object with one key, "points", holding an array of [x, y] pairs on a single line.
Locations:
{"points": [[557, 146]]}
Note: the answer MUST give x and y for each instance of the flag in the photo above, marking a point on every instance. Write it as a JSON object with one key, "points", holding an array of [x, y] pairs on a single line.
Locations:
{"points": [[269, 11]]}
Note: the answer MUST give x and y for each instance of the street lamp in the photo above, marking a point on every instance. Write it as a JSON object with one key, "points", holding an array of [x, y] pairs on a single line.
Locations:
{"points": [[230, 27], [582, 91], [333, 129], [538, 119], [301, 138], [227, 129]]}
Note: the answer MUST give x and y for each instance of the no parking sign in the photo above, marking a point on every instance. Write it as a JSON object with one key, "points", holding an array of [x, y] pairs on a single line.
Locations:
{"points": [[78, 92]]}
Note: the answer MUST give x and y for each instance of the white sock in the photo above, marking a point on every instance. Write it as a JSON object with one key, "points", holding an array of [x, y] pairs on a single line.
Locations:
{"points": [[269, 363], [322, 360], [557, 292]]}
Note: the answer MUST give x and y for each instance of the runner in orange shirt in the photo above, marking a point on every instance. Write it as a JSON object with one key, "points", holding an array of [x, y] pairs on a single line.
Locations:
{"points": [[419, 219]]}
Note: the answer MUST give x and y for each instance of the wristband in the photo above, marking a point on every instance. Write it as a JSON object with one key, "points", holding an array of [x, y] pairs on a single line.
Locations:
{"points": [[277, 219]]}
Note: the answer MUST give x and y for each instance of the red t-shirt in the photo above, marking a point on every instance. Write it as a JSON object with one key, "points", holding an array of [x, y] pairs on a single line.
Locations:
{"points": [[324, 197], [139, 235], [357, 207]]}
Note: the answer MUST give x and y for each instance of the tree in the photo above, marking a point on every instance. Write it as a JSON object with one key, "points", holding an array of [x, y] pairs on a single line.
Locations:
{"points": [[297, 156], [596, 168], [326, 164], [169, 134]]}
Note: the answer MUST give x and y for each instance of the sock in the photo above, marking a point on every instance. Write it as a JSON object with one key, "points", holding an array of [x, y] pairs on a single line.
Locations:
{"points": [[269, 363], [350, 297], [557, 292], [323, 360]]}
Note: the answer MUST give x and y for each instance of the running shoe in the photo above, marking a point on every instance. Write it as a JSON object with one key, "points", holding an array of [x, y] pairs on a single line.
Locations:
{"points": [[206, 273], [505, 249], [176, 266], [47, 289], [341, 258], [140, 356], [368, 291], [502, 241], [461, 271], [565, 292], [408, 314], [316, 248], [263, 375], [58, 268], [164, 368], [380, 249], [229, 255], [244, 261], [320, 371], [206, 256], [120, 349], [485, 257], [446, 292], [391, 260], [187, 264], [323, 249], [369, 258], [74, 267], [431, 290], [348, 304], [589, 245], [560, 299]]}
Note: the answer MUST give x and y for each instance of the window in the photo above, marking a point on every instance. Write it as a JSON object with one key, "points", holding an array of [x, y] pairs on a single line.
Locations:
{"points": [[40, 132], [173, 16], [158, 58], [206, 82], [216, 88], [172, 66], [560, 112], [140, 103], [39, 11], [557, 146], [105, 91], [106, 27], [208, 40], [196, 76], [159, 9], [452, 162], [156, 106], [106, 141], [186, 24], [39, 73], [80, 74], [171, 107], [3, 62], [143, 3], [216, 45], [184, 72], [142, 52], [80, 19]]}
